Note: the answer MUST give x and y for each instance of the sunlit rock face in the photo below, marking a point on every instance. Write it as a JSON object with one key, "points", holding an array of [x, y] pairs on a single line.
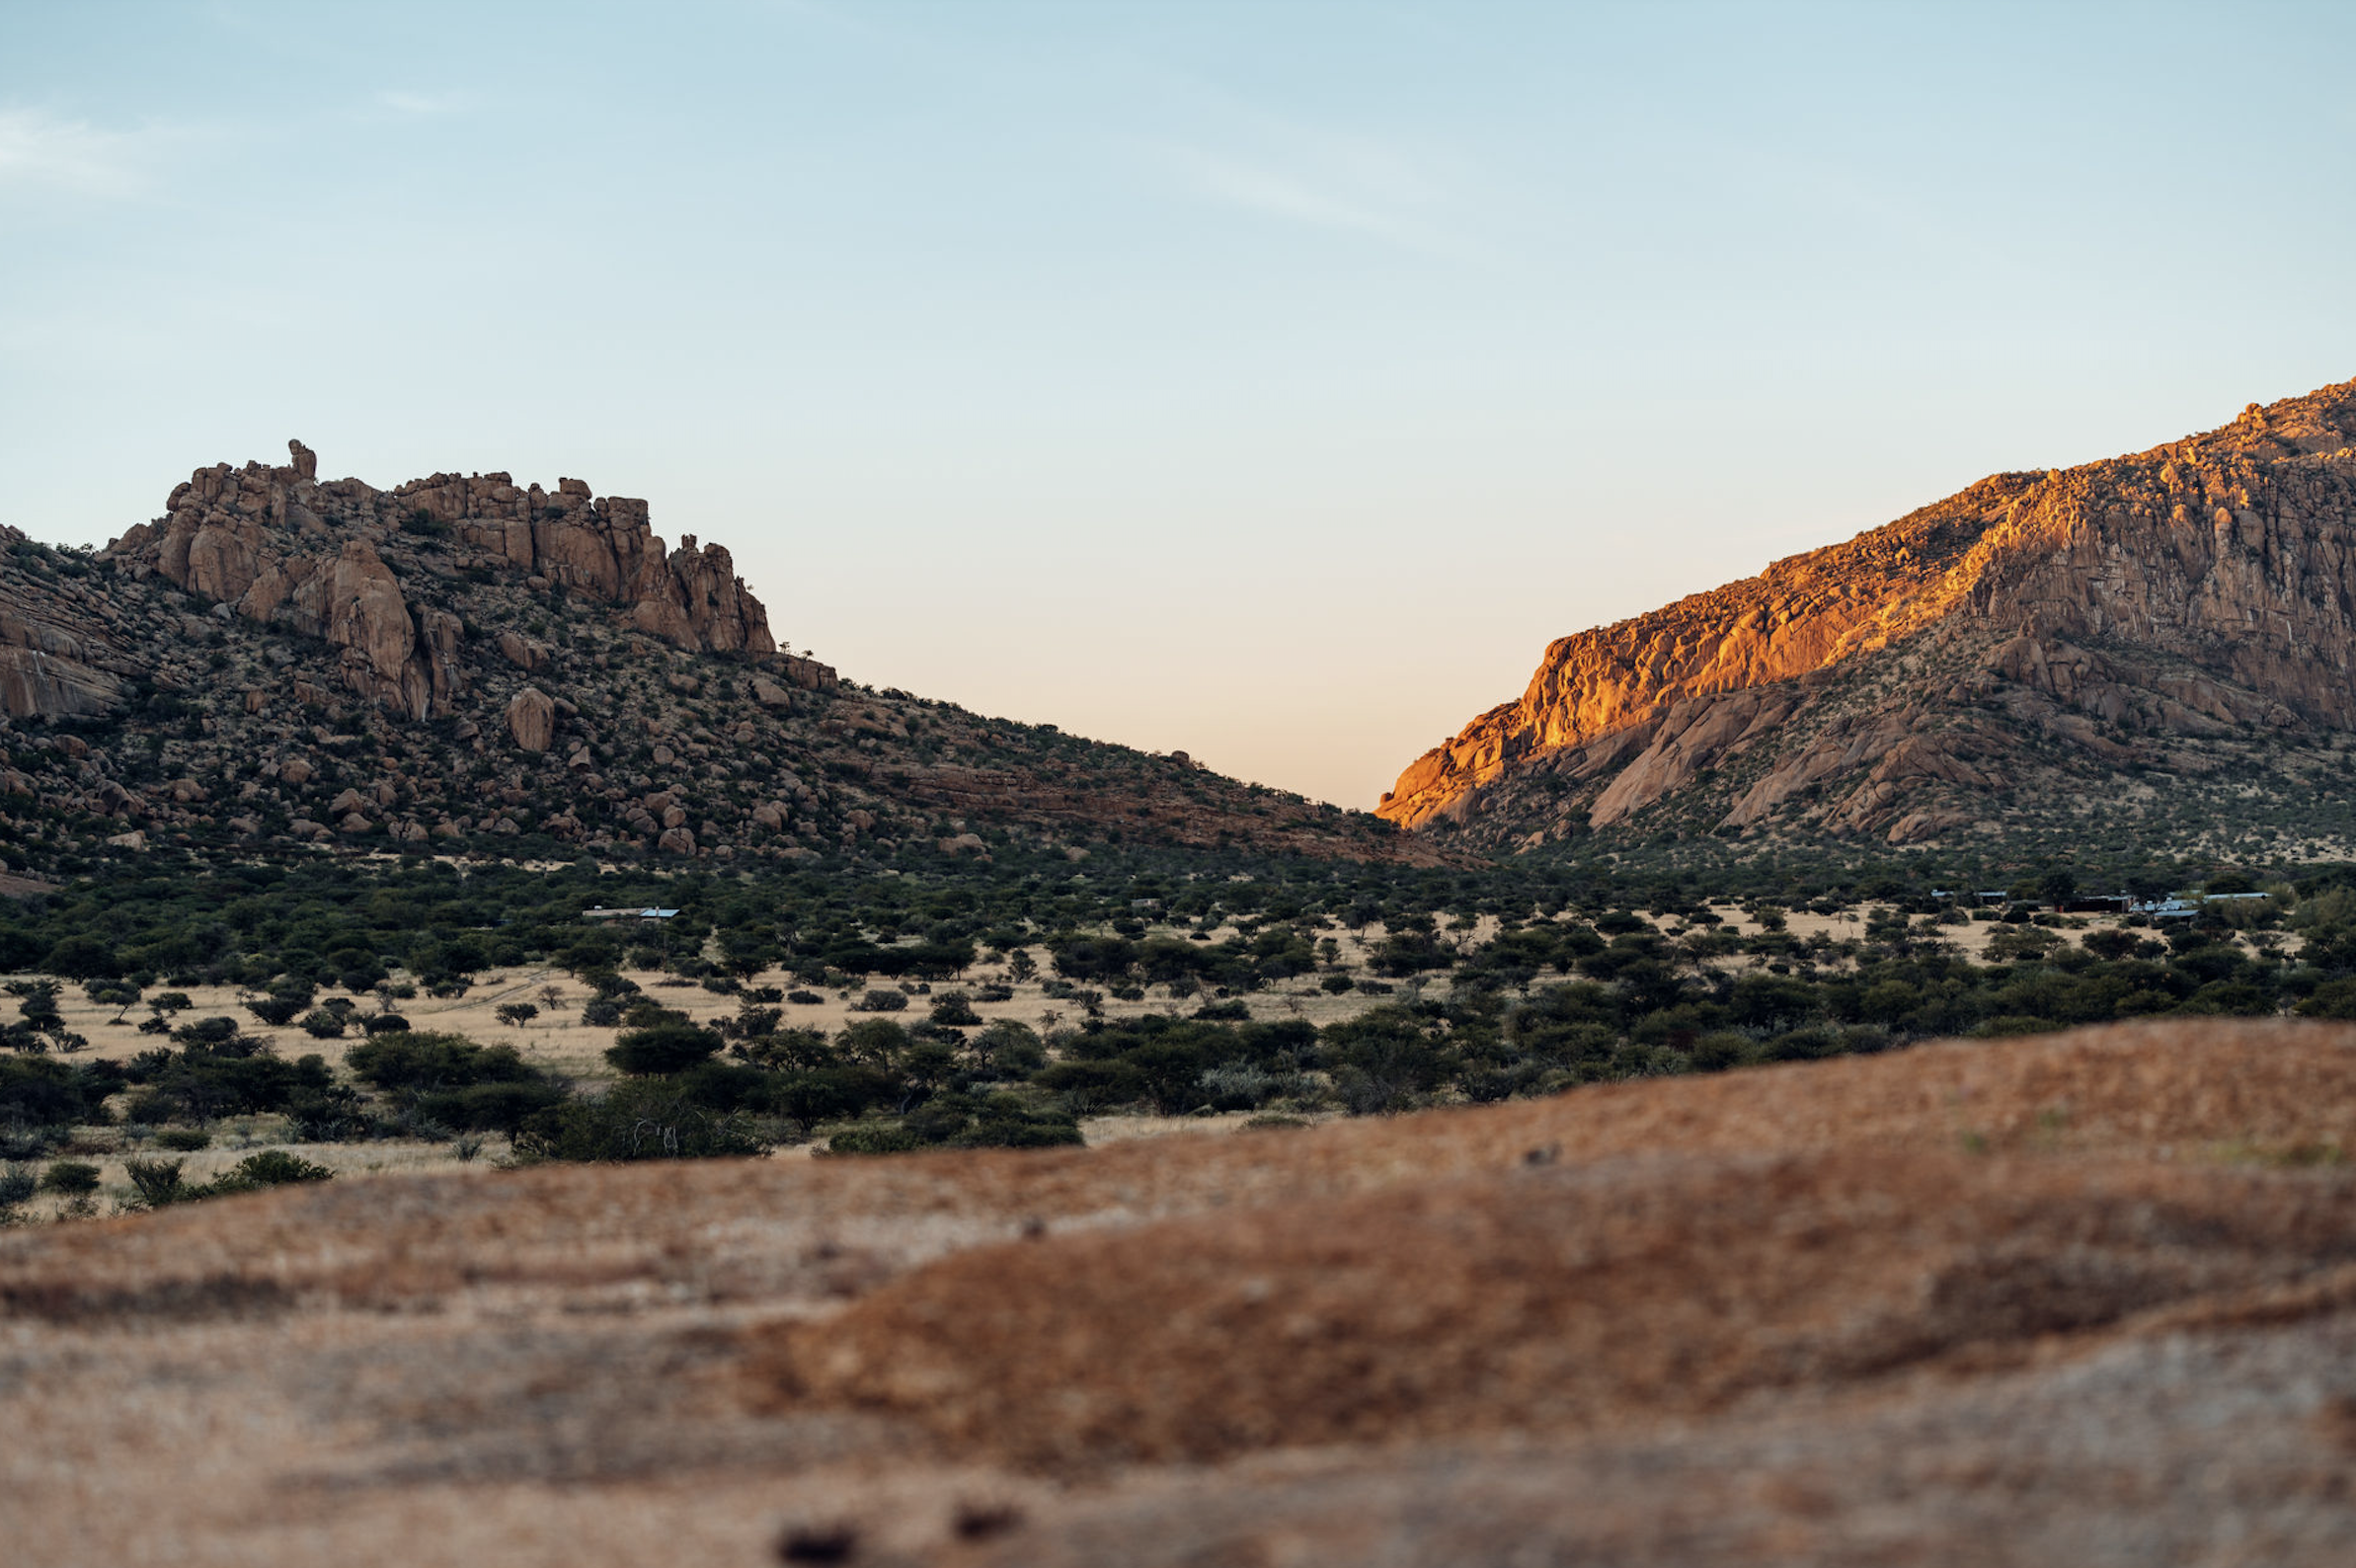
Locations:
{"points": [[276, 545], [2196, 588]]}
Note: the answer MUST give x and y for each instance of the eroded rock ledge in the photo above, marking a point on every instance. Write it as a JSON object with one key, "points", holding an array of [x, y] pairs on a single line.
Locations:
{"points": [[276, 545]]}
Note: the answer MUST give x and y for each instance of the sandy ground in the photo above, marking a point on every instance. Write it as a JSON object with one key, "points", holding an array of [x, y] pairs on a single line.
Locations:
{"points": [[2083, 1298], [556, 1039]]}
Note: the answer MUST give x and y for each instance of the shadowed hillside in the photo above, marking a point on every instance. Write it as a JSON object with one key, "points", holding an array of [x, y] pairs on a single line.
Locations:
{"points": [[283, 661]]}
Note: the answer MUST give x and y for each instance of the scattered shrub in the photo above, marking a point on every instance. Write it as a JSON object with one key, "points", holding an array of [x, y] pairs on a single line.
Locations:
{"points": [[273, 1167], [954, 1008], [428, 1060], [158, 1182], [638, 1119], [495, 1107], [70, 1177], [667, 1047]]}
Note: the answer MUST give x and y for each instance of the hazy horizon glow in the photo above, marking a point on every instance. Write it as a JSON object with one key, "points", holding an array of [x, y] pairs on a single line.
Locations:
{"points": [[1271, 382]]}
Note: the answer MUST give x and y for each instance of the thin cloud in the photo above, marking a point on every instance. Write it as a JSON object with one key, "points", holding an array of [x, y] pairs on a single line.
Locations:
{"points": [[419, 104], [41, 150], [1346, 185]]}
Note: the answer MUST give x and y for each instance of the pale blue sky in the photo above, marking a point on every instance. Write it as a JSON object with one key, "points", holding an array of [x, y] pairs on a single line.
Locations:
{"points": [[1270, 381]]}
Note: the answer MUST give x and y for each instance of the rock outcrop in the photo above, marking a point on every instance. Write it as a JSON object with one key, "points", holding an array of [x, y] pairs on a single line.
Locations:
{"points": [[2196, 590], [277, 546], [57, 657]]}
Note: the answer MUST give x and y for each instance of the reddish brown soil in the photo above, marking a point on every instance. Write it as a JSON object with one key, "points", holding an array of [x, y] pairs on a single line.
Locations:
{"points": [[2085, 1298]]}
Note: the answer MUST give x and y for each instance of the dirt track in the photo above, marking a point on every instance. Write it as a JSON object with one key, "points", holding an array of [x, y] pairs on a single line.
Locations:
{"points": [[2078, 1299]]}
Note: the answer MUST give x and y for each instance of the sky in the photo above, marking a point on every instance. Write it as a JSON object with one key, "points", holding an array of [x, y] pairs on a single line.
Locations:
{"points": [[1270, 381]]}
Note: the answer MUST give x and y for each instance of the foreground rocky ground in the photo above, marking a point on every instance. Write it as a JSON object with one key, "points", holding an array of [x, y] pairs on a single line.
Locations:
{"points": [[2078, 1299]]}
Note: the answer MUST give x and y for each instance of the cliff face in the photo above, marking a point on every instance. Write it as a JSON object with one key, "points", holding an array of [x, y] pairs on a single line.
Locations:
{"points": [[56, 655], [2189, 591], [282, 661]]}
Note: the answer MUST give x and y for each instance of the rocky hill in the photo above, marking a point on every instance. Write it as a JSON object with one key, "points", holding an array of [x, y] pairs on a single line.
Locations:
{"points": [[281, 660], [2151, 637]]}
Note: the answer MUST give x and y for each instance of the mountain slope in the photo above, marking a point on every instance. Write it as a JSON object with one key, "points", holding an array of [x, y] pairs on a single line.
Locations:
{"points": [[2187, 609], [283, 659]]}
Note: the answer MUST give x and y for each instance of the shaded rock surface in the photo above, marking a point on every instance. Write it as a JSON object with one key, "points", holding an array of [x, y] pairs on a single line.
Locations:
{"points": [[1777, 1315], [1900, 683]]}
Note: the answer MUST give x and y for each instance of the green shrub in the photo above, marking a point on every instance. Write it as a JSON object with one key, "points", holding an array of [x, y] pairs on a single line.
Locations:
{"points": [[954, 1121], [158, 1182], [638, 1119], [71, 1177], [274, 1167], [2331, 1000], [410, 1060], [874, 1138], [496, 1107], [39, 1093], [955, 1008], [662, 1050], [183, 1139]]}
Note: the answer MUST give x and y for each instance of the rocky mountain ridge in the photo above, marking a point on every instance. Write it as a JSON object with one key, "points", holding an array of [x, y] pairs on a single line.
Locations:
{"points": [[2185, 610], [283, 659]]}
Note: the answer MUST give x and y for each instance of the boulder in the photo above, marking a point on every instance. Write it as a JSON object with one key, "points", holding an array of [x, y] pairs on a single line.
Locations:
{"points": [[522, 651], [531, 719]]}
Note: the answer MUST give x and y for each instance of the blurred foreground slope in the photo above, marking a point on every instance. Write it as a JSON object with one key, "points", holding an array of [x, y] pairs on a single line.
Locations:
{"points": [[2078, 1299]]}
